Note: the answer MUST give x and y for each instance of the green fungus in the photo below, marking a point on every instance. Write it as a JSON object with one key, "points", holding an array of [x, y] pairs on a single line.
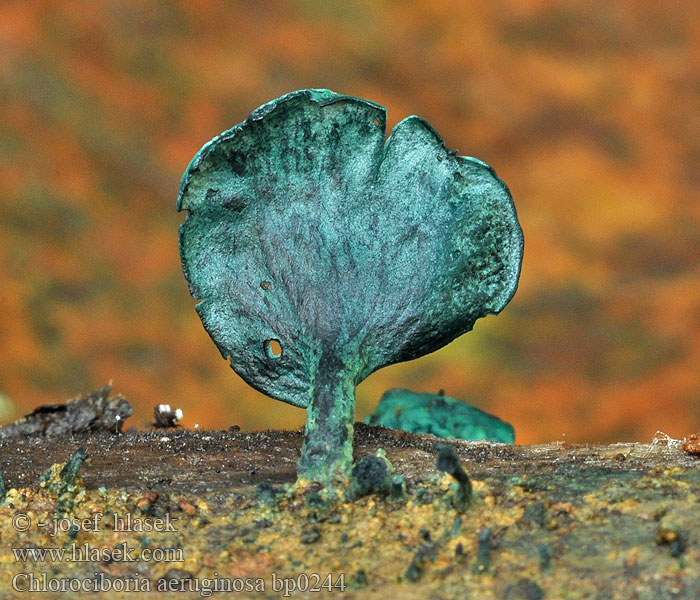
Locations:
{"points": [[448, 462], [320, 252], [440, 415]]}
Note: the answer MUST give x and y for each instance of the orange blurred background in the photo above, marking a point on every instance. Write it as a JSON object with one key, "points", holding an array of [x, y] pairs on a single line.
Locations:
{"points": [[589, 111]]}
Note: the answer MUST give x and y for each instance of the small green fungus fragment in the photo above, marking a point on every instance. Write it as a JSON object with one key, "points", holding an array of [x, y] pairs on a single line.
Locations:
{"points": [[482, 562], [398, 489], [372, 474], [440, 415], [64, 483], [448, 462], [267, 494], [310, 535]]}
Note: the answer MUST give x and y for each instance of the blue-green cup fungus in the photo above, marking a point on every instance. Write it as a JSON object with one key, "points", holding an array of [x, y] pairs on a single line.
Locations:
{"points": [[320, 252], [440, 415]]}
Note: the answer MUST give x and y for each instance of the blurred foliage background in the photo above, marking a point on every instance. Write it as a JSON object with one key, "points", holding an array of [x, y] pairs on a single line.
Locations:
{"points": [[589, 111]]}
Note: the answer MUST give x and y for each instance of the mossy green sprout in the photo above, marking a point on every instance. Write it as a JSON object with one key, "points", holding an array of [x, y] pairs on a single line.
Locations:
{"points": [[319, 251]]}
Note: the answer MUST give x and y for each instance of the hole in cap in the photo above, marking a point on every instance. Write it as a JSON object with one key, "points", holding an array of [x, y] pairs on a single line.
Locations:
{"points": [[273, 348]]}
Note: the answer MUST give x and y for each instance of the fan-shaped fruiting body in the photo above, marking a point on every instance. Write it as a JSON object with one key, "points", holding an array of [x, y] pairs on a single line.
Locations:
{"points": [[320, 252]]}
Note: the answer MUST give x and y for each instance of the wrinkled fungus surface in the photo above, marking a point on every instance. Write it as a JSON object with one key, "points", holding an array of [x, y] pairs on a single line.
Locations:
{"points": [[320, 252]]}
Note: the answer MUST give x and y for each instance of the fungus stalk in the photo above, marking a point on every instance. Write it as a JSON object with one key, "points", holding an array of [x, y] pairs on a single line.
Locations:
{"points": [[327, 449]]}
